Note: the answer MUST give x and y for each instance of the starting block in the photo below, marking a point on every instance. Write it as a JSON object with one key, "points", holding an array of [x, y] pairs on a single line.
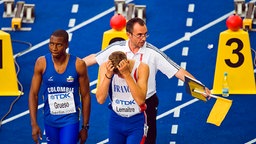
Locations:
{"points": [[8, 77], [240, 7], [130, 10], [22, 13], [247, 22], [120, 7], [140, 11], [16, 20], [8, 8], [234, 57], [29, 13]]}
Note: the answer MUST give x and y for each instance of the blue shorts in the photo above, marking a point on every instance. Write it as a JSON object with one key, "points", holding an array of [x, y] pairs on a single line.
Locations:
{"points": [[124, 130], [62, 135]]}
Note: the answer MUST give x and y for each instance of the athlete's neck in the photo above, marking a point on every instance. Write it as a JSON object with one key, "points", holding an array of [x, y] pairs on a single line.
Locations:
{"points": [[61, 60]]}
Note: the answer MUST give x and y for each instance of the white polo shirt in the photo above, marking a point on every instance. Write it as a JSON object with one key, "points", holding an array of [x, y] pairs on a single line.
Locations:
{"points": [[149, 54]]}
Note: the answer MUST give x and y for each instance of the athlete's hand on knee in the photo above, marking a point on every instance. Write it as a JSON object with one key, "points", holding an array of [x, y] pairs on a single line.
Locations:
{"points": [[36, 133]]}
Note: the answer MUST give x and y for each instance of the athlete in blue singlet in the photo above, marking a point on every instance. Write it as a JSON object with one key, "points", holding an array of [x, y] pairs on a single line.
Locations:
{"points": [[126, 82], [63, 77]]}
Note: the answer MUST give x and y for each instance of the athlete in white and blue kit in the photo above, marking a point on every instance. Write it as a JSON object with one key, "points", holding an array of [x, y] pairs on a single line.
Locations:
{"points": [[137, 48], [125, 81], [63, 77]]}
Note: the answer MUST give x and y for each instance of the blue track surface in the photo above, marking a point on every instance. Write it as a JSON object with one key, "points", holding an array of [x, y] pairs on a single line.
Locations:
{"points": [[166, 21]]}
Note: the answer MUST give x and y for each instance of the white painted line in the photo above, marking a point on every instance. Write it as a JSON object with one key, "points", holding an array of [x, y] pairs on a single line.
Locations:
{"points": [[176, 113], [179, 97], [180, 82], [174, 129], [172, 142], [189, 22], [67, 50], [72, 22], [103, 142], [251, 142], [19, 115], [183, 65], [179, 107], [191, 8], [74, 8], [187, 36], [70, 36], [185, 51]]}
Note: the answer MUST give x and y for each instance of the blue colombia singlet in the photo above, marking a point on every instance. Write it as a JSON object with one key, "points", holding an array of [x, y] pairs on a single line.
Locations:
{"points": [[61, 94]]}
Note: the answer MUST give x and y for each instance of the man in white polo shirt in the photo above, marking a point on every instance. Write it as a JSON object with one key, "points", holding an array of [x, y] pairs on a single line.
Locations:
{"points": [[137, 48]]}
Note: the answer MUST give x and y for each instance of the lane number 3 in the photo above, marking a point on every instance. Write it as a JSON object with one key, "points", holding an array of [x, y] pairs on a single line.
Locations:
{"points": [[237, 52]]}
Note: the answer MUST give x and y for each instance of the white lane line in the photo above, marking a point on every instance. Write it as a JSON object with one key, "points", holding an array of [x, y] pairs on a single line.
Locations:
{"points": [[74, 8], [20, 115], [191, 8], [72, 22], [174, 129], [103, 142], [179, 97], [251, 142], [187, 36], [189, 22], [178, 107], [185, 51], [176, 113], [70, 38], [183, 65]]}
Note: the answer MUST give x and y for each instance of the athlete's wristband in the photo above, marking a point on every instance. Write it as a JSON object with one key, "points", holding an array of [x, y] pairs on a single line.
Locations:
{"points": [[86, 127]]}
